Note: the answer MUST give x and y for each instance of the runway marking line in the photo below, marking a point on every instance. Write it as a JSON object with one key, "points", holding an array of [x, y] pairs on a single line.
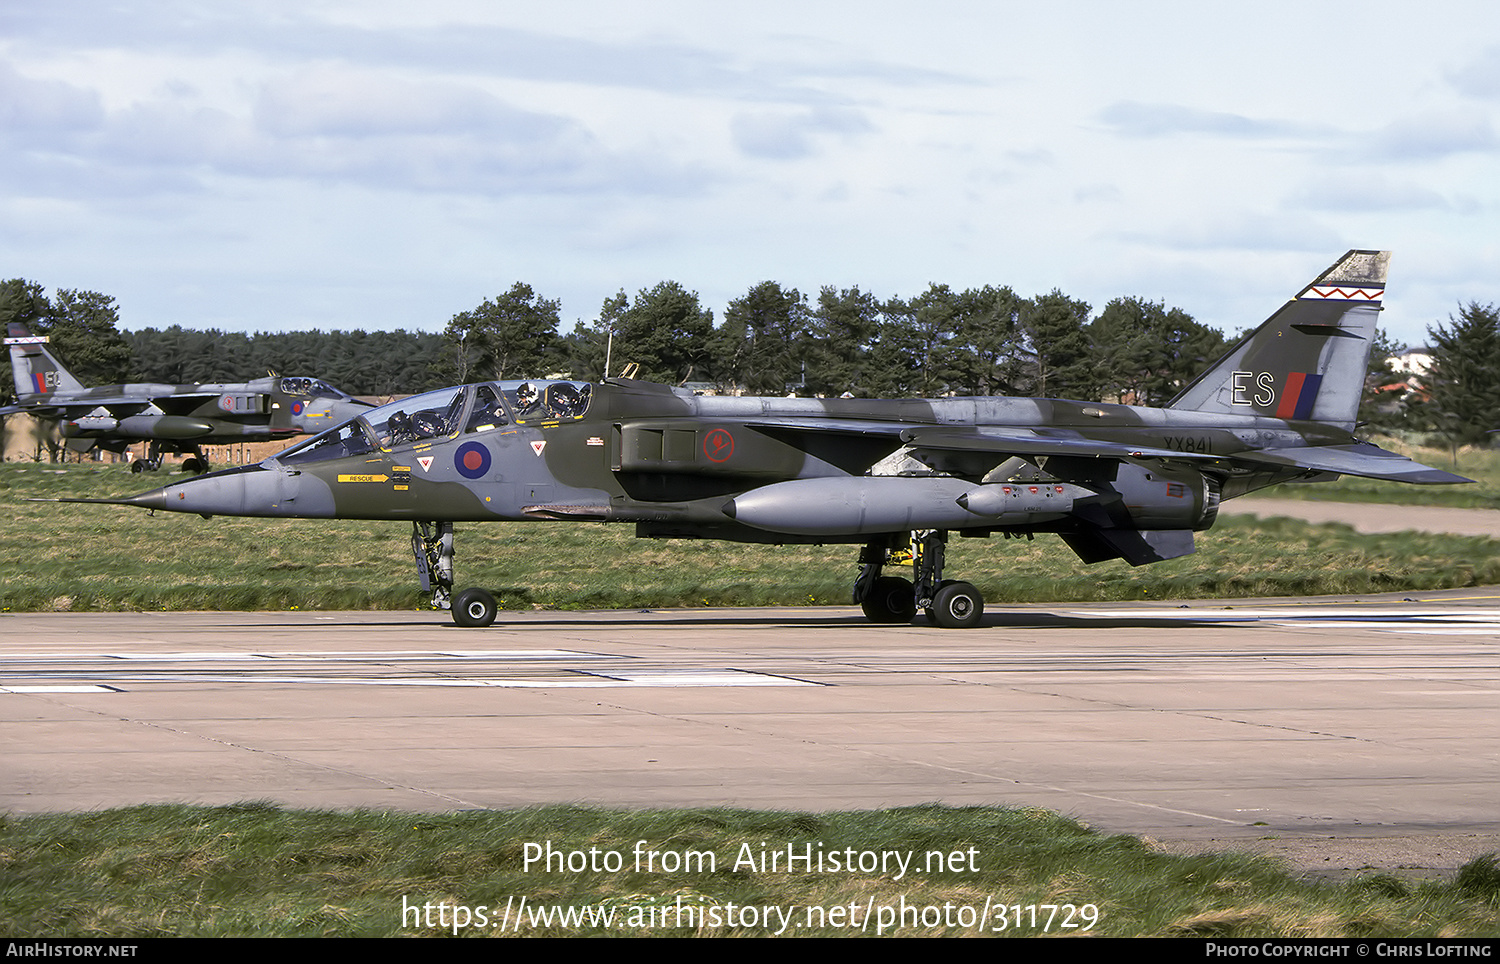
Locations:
{"points": [[351, 655], [1418, 621]]}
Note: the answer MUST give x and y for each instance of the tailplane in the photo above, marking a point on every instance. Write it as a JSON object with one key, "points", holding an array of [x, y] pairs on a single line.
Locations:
{"points": [[1307, 362], [36, 371]]}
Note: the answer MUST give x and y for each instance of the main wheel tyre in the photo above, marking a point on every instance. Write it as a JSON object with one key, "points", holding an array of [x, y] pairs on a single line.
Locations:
{"points": [[957, 605], [929, 611], [474, 608], [891, 600], [194, 465], [139, 465]]}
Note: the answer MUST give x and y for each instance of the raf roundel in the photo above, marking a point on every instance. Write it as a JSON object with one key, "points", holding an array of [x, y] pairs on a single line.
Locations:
{"points": [[472, 460], [297, 408]]}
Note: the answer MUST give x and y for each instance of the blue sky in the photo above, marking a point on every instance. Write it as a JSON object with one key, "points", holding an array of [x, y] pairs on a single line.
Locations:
{"points": [[280, 165]]}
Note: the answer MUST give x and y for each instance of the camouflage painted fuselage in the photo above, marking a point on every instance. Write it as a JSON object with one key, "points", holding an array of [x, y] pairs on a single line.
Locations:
{"points": [[766, 469]]}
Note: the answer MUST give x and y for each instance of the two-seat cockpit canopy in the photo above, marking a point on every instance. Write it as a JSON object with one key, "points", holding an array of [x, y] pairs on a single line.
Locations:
{"points": [[314, 387], [447, 413]]}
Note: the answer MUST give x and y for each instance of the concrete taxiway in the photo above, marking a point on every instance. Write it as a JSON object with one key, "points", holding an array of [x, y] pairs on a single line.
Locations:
{"points": [[1370, 719], [1373, 518]]}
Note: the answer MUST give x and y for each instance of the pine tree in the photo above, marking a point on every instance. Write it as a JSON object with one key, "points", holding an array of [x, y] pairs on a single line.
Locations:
{"points": [[762, 343], [84, 336], [844, 327], [513, 335], [665, 331], [1465, 379], [1064, 366]]}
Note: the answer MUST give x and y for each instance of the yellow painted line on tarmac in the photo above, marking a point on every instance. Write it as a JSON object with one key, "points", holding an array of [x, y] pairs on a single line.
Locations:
{"points": [[1458, 598]]}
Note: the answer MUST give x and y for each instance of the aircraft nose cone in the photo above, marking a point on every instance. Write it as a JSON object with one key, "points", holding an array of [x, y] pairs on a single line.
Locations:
{"points": [[349, 408], [155, 499], [248, 490]]}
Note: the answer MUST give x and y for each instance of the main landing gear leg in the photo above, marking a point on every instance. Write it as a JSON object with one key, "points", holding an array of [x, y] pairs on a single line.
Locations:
{"points": [[885, 599], [432, 544], [948, 603], [197, 463], [151, 462], [891, 599]]}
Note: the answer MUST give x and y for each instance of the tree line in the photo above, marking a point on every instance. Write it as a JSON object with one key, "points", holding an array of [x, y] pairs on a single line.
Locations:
{"points": [[771, 341], [778, 341], [84, 335]]}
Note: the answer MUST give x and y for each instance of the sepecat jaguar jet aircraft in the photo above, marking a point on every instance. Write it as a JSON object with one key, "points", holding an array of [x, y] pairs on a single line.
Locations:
{"points": [[170, 418], [898, 475]]}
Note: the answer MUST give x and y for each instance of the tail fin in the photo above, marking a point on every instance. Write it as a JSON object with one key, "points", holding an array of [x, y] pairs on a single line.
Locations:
{"points": [[1308, 360], [35, 370]]}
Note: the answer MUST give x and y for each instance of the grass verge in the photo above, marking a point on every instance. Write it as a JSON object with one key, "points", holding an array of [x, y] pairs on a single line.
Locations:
{"points": [[86, 557], [256, 870]]}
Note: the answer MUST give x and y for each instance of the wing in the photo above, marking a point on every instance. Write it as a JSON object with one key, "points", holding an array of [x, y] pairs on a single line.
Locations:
{"points": [[1360, 458], [118, 405]]}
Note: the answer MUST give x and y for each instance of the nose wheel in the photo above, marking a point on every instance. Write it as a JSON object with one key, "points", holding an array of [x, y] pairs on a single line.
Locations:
{"points": [[474, 608], [432, 545]]}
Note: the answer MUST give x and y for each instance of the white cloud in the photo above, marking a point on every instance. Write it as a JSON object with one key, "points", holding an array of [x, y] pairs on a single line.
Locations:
{"points": [[1435, 135], [31, 106], [1480, 77], [355, 104], [1131, 119], [1242, 231], [784, 135], [1363, 191]]}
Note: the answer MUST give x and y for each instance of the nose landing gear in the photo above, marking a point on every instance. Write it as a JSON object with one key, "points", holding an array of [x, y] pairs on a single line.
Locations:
{"points": [[432, 544]]}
